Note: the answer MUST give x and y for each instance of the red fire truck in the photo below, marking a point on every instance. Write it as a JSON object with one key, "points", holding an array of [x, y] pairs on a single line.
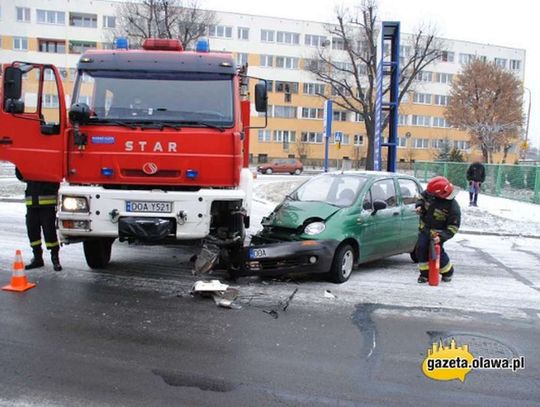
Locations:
{"points": [[154, 148]]}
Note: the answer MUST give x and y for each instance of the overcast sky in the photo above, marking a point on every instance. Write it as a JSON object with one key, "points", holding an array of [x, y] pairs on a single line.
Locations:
{"points": [[507, 23]]}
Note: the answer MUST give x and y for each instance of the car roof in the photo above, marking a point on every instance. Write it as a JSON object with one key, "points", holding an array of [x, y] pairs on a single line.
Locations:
{"points": [[371, 174]]}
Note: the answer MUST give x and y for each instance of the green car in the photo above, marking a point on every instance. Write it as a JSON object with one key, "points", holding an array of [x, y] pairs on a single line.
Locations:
{"points": [[336, 220]]}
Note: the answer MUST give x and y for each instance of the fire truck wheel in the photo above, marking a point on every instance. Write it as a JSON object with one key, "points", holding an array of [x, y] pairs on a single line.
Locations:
{"points": [[97, 252]]}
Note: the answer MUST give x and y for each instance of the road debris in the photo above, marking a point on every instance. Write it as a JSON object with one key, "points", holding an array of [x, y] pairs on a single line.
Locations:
{"points": [[328, 294], [222, 294], [274, 313]]}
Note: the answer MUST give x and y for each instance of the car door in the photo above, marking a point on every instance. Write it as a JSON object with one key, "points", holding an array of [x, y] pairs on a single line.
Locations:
{"points": [[409, 193], [33, 121], [381, 229]]}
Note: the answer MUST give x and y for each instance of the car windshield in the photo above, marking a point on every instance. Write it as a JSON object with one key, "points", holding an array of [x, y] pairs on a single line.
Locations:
{"points": [[184, 98], [339, 190]]}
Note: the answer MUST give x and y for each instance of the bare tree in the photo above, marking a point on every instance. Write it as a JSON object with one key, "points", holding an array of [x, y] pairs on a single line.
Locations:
{"points": [[352, 82], [486, 100], [302, 148], [184, 20]]}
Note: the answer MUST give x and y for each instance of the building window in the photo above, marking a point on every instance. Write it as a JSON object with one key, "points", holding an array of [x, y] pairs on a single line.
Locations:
{"points": [[50, 101], [83, 20], [501, 62], [243, 33], [465, 58], [79, 47], [312, 137], [264, 136], [402, 142], [284, 37], [403, 119], [220, 31], [286, 87], [287, 112], [241, 58], [23, 14], [109, 21], [444, 77], [287, 62], [314, 40], [358, 117], [269, 110], [440, 122], [423, 121], [20, 43], [313, 65], [54, 46], [462, 144], [515, 64], [340, 115], [338, 43], [312, 113], [266, 60], [441, 100], [284, 136], [313, 89], [51, 17], [358, 139], [420, 142], [267, 35], [447, 56], [423, 98], [424, 76]]}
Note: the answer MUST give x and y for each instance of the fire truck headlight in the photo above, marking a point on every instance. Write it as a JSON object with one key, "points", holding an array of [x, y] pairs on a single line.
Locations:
{"points": [[75, 204]]}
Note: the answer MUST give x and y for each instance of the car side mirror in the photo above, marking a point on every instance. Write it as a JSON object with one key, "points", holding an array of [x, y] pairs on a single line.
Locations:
{"points": [[378, 205], [261, 97], [12, 83]]}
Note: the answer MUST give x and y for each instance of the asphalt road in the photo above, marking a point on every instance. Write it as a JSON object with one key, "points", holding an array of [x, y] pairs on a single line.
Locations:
{"points": [[132, 335]]}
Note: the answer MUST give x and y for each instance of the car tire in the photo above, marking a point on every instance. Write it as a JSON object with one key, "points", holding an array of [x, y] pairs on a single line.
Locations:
{"points": [[342, 264], [298, 171], [268, 171], [97, 252]]}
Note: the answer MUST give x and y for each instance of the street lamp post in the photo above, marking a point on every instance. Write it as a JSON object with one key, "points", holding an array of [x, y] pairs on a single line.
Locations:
{"points": [[527, 125]]}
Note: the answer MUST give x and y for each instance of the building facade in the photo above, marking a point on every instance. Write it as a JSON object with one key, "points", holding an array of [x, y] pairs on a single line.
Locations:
{"points": [[276, 49]]}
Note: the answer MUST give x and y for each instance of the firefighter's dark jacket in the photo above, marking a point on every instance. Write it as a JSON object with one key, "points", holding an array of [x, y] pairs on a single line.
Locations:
{"points": [[476, 172], [441, 215], [38, 193]]}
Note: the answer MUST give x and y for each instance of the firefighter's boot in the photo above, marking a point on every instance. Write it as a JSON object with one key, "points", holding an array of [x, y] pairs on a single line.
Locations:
{"points": [[55, 259], [37, 260]]}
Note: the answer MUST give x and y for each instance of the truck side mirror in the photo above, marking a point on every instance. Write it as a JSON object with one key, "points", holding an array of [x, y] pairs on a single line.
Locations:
{"points": [[13, 106], [79, 113], [12, 83], [261, 97]]}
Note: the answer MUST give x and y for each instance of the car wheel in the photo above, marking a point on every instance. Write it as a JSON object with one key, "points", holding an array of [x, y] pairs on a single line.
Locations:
{"points": [[298, 171], [342, 265], [269, 171], [97, 252]]}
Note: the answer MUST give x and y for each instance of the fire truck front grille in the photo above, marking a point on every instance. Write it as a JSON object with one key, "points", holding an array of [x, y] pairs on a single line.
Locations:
{"points": [[160, 173]]}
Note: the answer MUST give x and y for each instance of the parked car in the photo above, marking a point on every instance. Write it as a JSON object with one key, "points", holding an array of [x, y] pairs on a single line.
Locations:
{"points": [[286, 165], [336, 220]]}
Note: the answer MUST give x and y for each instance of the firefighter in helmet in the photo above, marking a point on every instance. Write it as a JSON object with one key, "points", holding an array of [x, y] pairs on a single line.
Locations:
{"points": [[440, 217], [41, 199]]}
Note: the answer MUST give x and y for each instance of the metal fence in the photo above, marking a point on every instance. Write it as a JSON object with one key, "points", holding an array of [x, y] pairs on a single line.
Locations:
{"points": [[519, 182]]}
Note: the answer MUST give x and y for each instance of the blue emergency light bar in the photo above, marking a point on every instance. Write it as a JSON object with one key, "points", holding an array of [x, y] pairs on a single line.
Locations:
{"points": [[203, 45], [121, 43], [192, 174]]}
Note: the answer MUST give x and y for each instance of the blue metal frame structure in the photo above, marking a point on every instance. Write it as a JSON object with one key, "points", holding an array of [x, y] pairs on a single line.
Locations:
{"points": [[388, 67]]}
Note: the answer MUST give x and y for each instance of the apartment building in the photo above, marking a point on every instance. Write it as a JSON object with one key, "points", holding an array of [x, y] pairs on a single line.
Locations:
{"points": [[277, 49]]}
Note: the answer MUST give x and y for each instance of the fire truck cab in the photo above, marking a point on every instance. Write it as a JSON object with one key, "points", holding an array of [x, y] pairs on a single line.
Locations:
{"points": [[154, 148]]}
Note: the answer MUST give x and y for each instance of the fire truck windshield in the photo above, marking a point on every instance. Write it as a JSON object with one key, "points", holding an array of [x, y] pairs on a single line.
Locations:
{"points": [[172, 97]]}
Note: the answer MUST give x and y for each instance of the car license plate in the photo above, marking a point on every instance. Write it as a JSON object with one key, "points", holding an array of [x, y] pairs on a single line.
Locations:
{"points": [[258, 253], [149, 206]]}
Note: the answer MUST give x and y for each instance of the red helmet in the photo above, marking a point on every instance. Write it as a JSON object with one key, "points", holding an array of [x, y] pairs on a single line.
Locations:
{"points": [[440, 187]]}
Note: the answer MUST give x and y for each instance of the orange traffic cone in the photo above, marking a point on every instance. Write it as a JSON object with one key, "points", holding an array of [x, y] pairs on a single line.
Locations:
{"points": [[18, 278]]}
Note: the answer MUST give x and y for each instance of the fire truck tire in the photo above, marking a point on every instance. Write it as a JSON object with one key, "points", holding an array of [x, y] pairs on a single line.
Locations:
{"points": [[97, 252]]}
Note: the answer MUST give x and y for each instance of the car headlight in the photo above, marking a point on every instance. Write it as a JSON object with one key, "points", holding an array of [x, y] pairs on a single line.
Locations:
{"points": [[75, 204], [314, 228]]}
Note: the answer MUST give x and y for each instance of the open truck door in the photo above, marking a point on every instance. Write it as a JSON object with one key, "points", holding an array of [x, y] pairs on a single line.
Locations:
{"points": [[33, 121]]}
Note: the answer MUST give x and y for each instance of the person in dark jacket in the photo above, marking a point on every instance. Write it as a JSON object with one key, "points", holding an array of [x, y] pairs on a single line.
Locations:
{"points": [[440, 218], [41, 199], [476, 175]]}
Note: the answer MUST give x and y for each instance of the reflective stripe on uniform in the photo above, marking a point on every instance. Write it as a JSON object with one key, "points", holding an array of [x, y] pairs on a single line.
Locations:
{"points": [[35, 243], [446, 268], [28, 200], [47, 200], [51, 245], [423, 266], [453, 229]]}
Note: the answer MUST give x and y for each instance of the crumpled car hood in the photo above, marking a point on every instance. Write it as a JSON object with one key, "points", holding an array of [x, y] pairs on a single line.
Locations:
{"points": [[292, 214]]}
